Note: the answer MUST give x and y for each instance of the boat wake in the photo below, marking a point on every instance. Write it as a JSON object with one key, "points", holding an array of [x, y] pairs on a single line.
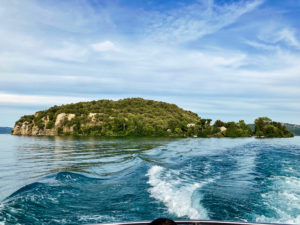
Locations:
{"points": [[59, 195], [253, 181], [181, 197], [283, 199]]}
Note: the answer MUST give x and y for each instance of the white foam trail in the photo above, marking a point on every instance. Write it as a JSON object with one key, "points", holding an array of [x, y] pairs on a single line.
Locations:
{"points": [[84, 218], [284, 199], [178, 195]]}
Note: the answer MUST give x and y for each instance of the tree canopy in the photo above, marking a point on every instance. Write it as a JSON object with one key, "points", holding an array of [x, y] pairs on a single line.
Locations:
{"points": [[265, 127], [140, 117]]}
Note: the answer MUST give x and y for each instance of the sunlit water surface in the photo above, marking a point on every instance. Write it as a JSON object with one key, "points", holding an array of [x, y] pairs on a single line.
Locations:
{"points": [[84, 180]]}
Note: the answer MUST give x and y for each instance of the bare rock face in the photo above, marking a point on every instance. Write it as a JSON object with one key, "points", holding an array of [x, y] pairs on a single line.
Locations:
{"points": [[93, 121], [31, 129], [35, 131], [223, 128], [67, 129], [191, 125], [62, 117], [23, 129]]}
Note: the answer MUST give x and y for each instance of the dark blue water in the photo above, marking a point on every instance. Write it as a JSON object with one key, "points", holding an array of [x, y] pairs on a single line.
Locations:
{"points": [[79, 181]]}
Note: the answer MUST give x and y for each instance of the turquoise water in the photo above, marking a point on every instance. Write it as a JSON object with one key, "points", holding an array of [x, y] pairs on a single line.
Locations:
{"points": [[84, 180]]}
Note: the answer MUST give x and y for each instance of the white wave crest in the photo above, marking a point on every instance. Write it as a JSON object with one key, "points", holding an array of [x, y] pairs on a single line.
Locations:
{"points": [[284, 199], [84, 218], [179, 196]]}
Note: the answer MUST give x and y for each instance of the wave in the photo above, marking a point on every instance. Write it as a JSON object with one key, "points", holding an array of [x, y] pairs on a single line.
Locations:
{"points": [[60, 198], [60, 179], [245, 182], [180, 196], [283, 199]]}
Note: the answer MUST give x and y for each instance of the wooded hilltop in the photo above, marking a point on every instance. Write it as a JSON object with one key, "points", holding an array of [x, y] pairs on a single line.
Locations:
{"points": [[137, 117]]}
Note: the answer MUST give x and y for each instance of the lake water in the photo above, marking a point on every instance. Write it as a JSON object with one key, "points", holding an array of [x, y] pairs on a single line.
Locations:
{"points": [[59, 180]]}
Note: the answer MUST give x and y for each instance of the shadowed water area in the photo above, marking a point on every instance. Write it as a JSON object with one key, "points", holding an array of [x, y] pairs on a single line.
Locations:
{"points": [[61, 180]]}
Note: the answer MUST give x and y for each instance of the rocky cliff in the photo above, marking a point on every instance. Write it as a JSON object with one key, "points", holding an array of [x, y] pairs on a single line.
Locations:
{"points": [[126, 117], [31, 128]]}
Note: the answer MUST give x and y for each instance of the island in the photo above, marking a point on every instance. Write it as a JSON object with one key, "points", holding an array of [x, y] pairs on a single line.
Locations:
{"points": [[265, 127], [137, 117]]}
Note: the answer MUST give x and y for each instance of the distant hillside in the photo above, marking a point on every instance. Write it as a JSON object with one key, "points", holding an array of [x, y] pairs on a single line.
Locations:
{"points": [[267, 128], [5, 130], [295, 129]]}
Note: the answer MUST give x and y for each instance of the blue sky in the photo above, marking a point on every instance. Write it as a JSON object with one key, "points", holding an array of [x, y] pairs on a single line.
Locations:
{"points": [[226, 60]]}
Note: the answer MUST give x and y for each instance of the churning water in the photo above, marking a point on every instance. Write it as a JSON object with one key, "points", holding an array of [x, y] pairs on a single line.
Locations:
{"points": [[83, 180]]}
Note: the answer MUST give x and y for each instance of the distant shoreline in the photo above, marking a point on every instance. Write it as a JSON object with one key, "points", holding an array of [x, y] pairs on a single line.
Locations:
{"points": [[6, 130], [72, 137]]}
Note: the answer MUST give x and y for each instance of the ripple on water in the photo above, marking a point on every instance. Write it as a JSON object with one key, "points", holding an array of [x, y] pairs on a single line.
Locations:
{"points": [[98, 181], [283, 198]]}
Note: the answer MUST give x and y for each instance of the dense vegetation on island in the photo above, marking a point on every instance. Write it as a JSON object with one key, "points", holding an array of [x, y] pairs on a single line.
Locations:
{"points": [[265, 127], [129, 117]]}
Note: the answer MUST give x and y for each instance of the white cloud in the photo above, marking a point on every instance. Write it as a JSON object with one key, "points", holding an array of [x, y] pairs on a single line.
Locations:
{"points": [[280, 35], [197, 20], [104, 46], [262, 46], [17, 99], [68, 52], [288, 36], [70, 60]]}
